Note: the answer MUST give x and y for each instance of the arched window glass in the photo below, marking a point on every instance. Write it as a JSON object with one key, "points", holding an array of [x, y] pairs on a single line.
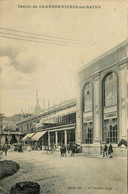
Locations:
{"points": [[88, 97], [110, 130], [110, 89], [87, 136]]}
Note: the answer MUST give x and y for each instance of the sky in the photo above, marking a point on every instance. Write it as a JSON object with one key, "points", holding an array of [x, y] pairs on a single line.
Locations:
{"points": [[51, 69]]}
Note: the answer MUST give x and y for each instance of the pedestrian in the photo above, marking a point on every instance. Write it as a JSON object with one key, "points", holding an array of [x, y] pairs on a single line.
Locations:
{"points": [[48, 149], [52, 147], [110, 150], [20, 148], [5, 150], [105, 150], [62, 150], [65, 150], [72, 149], [68, 147]]}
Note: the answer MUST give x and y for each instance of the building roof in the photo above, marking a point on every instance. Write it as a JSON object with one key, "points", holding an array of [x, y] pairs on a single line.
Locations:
{"points": [[56, 108]]}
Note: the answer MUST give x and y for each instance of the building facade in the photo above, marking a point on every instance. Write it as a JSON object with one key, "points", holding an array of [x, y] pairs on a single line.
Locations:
{"points": [[101, 114], [53, 125]]}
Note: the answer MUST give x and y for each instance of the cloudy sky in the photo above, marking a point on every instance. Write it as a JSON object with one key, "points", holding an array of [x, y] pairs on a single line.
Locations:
{"points": [[26, 66]]}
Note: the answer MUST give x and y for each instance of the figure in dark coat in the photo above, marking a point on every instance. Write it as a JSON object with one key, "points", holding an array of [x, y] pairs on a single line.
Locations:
{"points": [[105, 150], [72, 148], [61, 150], [5, 150], [110, 149], [65, 149], [20, 148]]}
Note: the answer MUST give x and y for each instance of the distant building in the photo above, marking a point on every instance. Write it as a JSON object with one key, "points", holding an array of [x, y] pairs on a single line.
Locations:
{"points": [[9, 132], [56, 123]]}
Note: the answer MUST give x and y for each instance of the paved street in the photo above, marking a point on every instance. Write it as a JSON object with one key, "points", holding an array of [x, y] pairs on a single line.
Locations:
{"points": [[68, 175]]}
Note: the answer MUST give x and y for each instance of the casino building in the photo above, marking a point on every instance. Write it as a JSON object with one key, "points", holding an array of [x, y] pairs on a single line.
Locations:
{"points": [[102, 105]]}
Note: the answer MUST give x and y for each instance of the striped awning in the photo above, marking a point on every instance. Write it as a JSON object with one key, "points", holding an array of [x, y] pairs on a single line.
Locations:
{"points": [[27, 136], [37, 136]]}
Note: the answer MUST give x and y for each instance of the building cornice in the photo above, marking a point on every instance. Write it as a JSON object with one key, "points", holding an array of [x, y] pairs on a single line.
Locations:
{"points": [[97, 73], [114, 56]]}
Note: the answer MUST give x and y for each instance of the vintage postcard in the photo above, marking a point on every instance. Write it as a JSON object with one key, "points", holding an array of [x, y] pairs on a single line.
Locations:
{"points": [[63, 96]]}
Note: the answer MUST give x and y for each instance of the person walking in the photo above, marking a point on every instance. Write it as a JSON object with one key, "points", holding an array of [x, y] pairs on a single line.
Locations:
{"points": [[105, 150], [5, 150], [20, 148], [110, 150], [51, 148], [61, 150], [72, 149], [65, 150]]}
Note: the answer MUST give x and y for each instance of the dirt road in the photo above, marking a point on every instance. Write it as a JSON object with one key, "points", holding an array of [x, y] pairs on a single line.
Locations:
{"points": [[69, 175]]}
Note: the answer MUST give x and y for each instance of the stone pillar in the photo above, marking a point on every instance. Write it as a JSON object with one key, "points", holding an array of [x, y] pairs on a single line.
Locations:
{"points": [[56, 138], [97, 109], [79, 116], [123, 101], [48, 138], [65, 137]]}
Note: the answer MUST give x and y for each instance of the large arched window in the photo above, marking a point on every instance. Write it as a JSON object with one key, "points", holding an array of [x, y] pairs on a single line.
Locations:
{"points": [[88, 97], [87, 133], [110, 89], [110, 129]]}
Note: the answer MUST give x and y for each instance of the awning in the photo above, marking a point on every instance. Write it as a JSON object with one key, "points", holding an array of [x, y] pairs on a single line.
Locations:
{"points": [[38, 135], [27, 136]]}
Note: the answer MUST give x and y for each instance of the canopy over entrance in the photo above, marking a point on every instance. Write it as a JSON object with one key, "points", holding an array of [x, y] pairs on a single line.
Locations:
{"points": [[27, 136], [38, 135]]}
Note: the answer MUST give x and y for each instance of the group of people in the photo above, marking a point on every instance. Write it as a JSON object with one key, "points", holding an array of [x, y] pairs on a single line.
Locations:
{"points": [[52, 147], [7, 147], [70, 148], [4, 149], [107, 150]]}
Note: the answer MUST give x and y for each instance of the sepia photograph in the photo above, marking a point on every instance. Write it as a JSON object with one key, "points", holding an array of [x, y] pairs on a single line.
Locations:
{"points": [[63, 97]]}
